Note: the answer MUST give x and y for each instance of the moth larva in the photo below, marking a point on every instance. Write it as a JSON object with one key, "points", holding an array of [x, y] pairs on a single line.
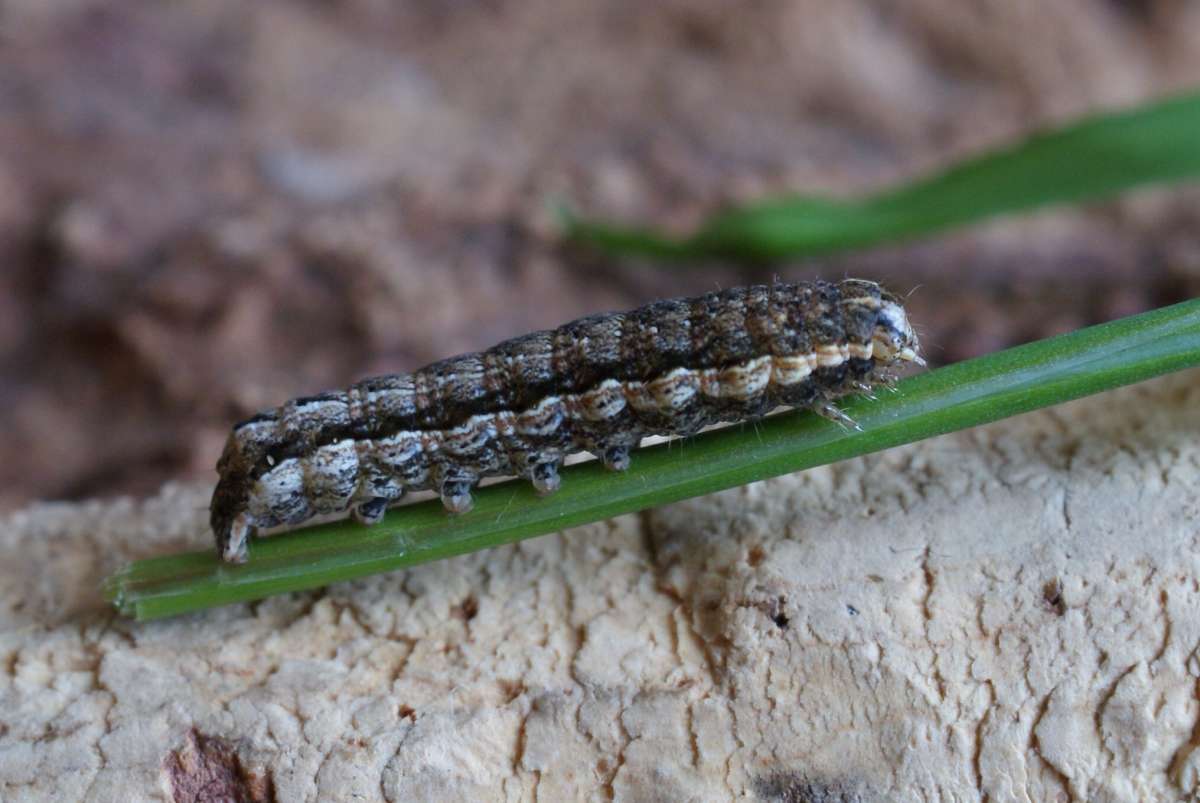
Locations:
{"points": [[599, 384]]}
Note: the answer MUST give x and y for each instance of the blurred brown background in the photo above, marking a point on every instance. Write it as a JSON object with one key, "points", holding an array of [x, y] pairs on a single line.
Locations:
{"points": [[207, 207]]}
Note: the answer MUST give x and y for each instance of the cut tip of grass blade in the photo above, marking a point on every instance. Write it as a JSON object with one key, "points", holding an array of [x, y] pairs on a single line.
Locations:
{"points": [[113, 590], [955, 397]]}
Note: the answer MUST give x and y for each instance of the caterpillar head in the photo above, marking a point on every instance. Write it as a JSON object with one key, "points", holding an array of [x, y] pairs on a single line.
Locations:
{"points": [[894, 338]]}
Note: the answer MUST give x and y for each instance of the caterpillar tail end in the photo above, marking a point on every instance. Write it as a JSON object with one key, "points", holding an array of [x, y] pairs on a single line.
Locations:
{"points": [[232, 544]]}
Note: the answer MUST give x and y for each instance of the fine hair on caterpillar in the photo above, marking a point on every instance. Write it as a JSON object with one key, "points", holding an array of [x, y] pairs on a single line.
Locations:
{"points": [[599, 384]]}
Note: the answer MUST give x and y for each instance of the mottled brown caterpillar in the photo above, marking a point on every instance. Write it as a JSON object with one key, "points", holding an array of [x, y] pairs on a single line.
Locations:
{"points": [[599, 384]]}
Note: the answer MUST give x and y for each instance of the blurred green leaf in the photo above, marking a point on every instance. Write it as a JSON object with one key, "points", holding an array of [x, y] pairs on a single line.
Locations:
{"points": [[1088, 160]]}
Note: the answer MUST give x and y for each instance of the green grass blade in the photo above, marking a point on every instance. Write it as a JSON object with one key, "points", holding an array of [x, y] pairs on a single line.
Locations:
{"points": [[962, 395], [1090, 159]]}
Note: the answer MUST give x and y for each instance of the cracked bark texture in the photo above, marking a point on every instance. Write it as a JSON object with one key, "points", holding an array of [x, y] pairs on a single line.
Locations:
{"points": [[1010, 613]]}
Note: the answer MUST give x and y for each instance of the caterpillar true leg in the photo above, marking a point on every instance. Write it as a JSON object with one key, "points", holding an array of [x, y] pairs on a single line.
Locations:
{"points": [[865, 389], [832, 412]]}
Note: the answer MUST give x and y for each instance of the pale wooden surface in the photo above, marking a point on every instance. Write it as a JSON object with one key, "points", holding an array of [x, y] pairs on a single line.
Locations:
{"points": [[1011, 613]]}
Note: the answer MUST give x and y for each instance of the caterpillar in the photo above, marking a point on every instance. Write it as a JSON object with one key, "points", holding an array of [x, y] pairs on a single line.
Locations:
{"points": [[599, 384]]}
